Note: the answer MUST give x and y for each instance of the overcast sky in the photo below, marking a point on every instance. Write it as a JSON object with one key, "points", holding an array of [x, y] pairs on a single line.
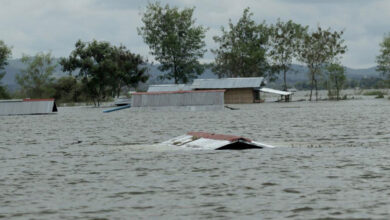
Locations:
{"points": [[32, 26]]}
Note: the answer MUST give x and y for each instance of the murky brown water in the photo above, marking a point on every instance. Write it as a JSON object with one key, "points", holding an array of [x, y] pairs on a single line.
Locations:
{"points": [[333, 162]]}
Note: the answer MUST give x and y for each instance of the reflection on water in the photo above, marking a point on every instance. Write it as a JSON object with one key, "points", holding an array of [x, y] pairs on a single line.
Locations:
{"points": [[333, 162]]}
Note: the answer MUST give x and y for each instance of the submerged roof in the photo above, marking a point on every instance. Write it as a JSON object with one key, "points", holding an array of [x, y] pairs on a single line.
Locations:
{"points": [[211, 141], [228, 83], [169, 87], [274, 91], [218, 136], [176, 92], [27, 106]]}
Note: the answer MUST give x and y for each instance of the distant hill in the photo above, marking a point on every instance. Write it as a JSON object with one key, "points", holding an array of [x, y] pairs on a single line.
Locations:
{"points": [[298, 74], [362, 73], [13, 68]]}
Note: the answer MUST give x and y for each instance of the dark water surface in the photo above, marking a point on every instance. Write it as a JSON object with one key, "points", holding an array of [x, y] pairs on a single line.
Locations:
{"points": [[333, 162]]}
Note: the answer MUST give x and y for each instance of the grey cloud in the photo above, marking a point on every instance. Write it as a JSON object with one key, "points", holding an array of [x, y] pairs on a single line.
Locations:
{"points": [[325, 2], [120, 4], [44, 25]]}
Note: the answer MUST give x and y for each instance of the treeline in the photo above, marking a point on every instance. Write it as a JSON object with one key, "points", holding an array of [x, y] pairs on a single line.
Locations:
{"points": [[363, 83], [99, 70], [246, 49]]}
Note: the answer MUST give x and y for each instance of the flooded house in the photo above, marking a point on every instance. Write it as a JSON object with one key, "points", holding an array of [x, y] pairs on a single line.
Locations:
{"points": [[243, 90], [27, 106], [237, 90]]}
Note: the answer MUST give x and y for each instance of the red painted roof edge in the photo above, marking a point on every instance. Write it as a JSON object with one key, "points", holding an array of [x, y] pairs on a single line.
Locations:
{"points": [[218, 136], [173, 92], [37, 100]]}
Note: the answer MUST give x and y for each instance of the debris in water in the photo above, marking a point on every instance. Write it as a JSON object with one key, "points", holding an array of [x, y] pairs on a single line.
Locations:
{"points": [[231, 108]]}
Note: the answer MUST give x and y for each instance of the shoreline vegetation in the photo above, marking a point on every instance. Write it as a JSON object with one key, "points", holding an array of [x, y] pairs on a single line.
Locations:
{"points": [[99, 71]]}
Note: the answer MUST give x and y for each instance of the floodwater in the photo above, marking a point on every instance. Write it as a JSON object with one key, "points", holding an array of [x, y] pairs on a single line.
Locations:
{"points": [[332, 162]]}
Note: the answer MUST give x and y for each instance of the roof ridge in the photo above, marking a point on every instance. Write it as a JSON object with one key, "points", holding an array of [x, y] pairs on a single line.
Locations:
{"points": [[257, 77]]}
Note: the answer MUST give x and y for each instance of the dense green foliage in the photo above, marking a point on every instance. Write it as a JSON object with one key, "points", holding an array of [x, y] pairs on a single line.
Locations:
{"points": [[130, 70], [377, 93], [175, 41], [319, 48], [3, 91], [383, 60], [242, 50], [336, 80], [104, 69], [35, 80], [286, 38], [68, 90], [5, 53]]}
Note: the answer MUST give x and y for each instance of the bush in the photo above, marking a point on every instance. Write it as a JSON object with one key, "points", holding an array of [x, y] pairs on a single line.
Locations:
{"points": [[68, 90], [380, 96], [4, 93], [376, 93]]}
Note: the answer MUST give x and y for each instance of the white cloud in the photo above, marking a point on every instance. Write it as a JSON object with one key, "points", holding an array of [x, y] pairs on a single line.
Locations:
{"points": [[55, 25]]}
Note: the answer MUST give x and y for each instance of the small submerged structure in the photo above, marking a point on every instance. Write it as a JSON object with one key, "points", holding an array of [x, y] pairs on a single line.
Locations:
{"points": [[211, 141], [27, 106]]}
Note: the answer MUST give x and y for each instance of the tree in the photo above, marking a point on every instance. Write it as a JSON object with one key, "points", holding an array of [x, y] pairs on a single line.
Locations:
{"points": [[317, 49], [36, 78], [285, 41], [67, 89], [3, 91], [242, 49], [175, 41], [383, 60], [5, 53], [336, 80], [103, 68], [130, 72]]}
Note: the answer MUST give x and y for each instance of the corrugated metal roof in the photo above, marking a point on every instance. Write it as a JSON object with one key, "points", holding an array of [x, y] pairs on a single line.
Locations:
{"points": [[274, 91], [228, 83], [27, 106], [176, 92], [178, 98], [169, 87], [211, 141], [11, 100]]}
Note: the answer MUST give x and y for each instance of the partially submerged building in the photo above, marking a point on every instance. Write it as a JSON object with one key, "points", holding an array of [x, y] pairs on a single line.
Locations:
{"points": [[194, 100], [243, 90], [27, 106], [237, 90]]}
